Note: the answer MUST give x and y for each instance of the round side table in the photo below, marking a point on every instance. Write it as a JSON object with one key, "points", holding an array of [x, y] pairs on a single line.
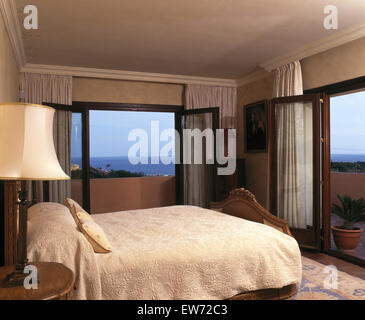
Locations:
{"points": [[55, 283]]}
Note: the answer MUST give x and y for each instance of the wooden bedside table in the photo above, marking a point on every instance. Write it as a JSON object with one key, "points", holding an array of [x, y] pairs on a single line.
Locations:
{"points": [[55, 283]]}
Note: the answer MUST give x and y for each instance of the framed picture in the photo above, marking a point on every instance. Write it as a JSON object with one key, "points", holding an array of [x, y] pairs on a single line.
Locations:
{"points": [[255, 118]]}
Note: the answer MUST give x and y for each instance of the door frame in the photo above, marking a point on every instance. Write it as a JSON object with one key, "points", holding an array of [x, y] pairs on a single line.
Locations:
{"points": [[310, 239], [326, 92]]}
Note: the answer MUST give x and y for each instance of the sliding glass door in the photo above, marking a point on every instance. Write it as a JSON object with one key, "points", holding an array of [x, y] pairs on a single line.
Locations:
{"points": [[295, 161]]}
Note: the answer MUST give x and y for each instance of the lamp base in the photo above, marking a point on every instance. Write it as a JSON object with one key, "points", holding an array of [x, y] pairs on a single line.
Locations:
{"points": [[16, 278]]}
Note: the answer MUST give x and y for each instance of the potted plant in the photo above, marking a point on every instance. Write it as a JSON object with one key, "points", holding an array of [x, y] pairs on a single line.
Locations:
{"points": [[347, 237]]}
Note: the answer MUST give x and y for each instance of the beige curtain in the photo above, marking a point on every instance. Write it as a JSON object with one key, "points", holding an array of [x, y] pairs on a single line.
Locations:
{"points": [[288, 80], [39, 88], [200, 96], [294, 149], [198, 178]]}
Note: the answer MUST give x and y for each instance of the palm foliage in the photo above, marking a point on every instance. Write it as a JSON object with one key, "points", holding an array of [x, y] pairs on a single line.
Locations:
{"points": [[350, 210]]}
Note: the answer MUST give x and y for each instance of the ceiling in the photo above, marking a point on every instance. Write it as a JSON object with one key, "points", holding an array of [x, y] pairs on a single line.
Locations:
{"points": [[208, 38]]}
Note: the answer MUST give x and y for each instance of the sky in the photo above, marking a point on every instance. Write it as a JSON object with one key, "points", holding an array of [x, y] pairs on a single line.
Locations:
{"points": [[348, 124], [109, 131]]}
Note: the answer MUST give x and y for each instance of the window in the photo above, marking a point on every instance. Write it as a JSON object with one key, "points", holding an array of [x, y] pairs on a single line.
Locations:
{"points": [[76, 158], [347, 157], [348, 132], [105, 175], [109, 144]]}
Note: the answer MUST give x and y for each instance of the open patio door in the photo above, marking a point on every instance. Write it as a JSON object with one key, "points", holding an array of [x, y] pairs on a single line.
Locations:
{"points": [[295, 165], [195, 182]]}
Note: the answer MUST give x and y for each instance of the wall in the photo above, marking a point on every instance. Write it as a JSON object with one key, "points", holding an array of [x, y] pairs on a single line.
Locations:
{"points": [[119, 91], [9, 74], [110, 195], [351, 184], [338, 64], [256, 163]]}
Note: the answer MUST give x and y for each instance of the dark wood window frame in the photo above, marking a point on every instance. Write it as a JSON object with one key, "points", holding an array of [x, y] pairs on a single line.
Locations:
{"points": [[326, 91], [84, 108]]}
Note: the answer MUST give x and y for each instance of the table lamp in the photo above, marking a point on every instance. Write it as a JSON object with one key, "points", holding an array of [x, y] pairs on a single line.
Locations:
{"points": [[27, 153]]}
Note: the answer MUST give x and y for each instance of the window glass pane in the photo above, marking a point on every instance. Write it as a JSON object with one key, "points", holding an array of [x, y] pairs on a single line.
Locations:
{"points": [[111, 154], [117, 180], [347, 165], [76, 157]]}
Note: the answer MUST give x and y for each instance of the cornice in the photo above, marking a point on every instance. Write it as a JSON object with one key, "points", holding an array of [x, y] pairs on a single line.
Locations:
{"points": [[9, 13], [337, 39], [126, 75]]}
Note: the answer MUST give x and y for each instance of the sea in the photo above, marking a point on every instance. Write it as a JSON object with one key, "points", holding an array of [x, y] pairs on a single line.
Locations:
{"points": [[122, 163], [347, 157]]}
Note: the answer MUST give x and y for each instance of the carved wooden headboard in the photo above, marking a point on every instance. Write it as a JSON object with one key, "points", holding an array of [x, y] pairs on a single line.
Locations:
{"points": [[242, 203]]}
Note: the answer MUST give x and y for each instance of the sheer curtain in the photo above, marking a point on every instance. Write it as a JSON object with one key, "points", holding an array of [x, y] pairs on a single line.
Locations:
{"points": [[294, 149], [200, 96], [198, 179], [39, 88]]}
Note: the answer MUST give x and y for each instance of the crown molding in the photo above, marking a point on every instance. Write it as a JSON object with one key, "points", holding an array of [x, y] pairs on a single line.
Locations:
{"points": [[9, 13], [337, 39], [125, 75]]}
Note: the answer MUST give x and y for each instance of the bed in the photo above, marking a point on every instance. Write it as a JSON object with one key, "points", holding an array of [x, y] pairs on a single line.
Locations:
{"points": [[235, 250]]}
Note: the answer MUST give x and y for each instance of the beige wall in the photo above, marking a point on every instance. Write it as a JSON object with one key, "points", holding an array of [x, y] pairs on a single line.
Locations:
{"points": [[339, 64], [110, 195], [9, 74], [351, 184], [335, 65], [256, 163], [120, 91]]}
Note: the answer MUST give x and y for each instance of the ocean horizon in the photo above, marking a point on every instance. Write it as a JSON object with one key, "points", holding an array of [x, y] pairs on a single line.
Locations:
{"points": [[348, 157], [122, 163]]}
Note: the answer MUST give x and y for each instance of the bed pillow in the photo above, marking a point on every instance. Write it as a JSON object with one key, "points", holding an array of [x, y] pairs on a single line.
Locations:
{"points": [[77, 211], [95, 235]]}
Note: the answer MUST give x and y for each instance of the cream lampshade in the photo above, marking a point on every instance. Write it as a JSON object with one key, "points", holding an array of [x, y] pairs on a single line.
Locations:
{"points": [[27, 152]]}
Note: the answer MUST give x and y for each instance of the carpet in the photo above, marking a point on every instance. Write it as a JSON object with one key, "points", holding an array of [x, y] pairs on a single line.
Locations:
{"points": [[321, 282]]}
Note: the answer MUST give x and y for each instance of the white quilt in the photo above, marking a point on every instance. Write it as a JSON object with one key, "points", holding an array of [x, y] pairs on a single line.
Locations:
{"points": [[179, 252]]}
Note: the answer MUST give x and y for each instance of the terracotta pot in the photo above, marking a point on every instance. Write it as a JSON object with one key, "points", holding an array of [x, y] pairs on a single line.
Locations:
{"points": [[346, 239]]}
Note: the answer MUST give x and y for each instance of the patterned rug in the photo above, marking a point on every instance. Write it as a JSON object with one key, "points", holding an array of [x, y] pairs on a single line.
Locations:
{"points": [[321, 282]]}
